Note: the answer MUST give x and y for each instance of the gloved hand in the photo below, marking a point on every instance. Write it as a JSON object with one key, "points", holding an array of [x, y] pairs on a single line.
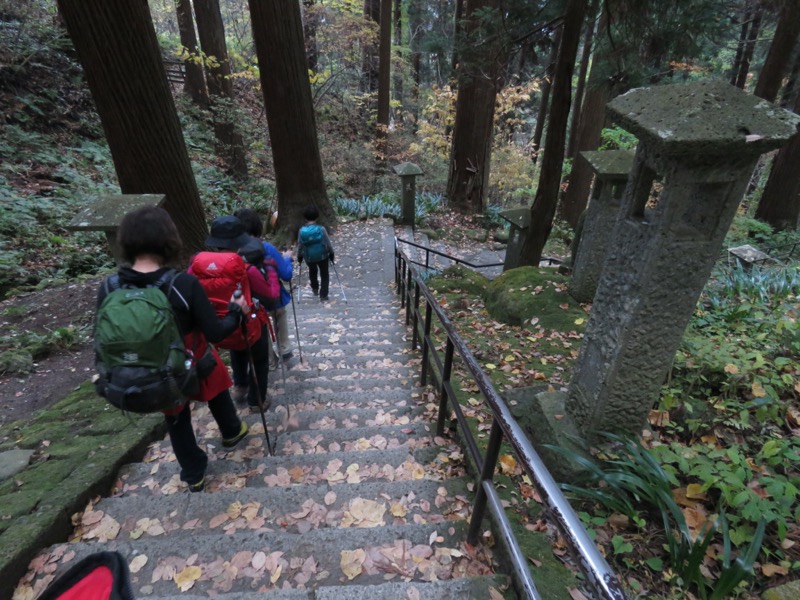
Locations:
{"points": [[330, 258], [300, 260]]}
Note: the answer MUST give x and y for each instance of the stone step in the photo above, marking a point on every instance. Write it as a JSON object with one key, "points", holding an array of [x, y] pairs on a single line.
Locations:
{"points": [[262, 561], [375, 336], [358, 352], [488, 586], [327, 388], [248, 467], [313, 376], [294, 509], [331, 361], [316, 432]]}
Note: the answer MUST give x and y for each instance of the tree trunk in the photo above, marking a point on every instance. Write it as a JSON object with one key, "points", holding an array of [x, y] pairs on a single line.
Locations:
{"points": [[278, 37], [790, 89], [737, 58], [471, 149], [310, 21], [458, 14], [544, 103], [195, 84], [211, 30], [586, 53], [370, 70], [398, 44], [134, 101], [384, 77], [780, 203], [543, 210], [749, 48], [780, 52]]}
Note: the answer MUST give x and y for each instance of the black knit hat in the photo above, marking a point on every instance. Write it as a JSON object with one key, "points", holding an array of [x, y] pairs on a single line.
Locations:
{"points": [[227, 232]]}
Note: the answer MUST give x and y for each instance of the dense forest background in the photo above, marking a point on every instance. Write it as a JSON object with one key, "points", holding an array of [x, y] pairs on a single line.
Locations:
{"points": [[493, 100]]}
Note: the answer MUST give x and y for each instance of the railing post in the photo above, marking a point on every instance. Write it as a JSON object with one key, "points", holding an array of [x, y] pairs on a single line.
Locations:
{"points": [[492, 453], [447, 369], [396, 266], [403, 268], [427, 260], [415, 320], [425, 348], [409, 281]]}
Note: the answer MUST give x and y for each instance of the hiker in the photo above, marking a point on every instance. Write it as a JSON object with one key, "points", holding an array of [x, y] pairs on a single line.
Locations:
{"points": [[283, 266], [221, 271], [149, 241], [315, 248]]}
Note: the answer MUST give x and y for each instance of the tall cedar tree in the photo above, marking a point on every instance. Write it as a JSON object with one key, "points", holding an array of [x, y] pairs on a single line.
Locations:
{"points": [[586, 53], [479, 79], [544, 101], [780, 203], [370, 69], [195, 85], [543, 210], [211, 29], [384, 77], [310, 22], [278, 37], [134, 101]]}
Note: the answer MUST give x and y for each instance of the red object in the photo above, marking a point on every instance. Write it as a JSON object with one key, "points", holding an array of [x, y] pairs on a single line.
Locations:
{"points": [[97, 585], [221, 274]]}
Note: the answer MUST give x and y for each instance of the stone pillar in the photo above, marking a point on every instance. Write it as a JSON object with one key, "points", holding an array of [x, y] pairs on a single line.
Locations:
{"points": [[611, 168], [702, 141], [408, 175]]}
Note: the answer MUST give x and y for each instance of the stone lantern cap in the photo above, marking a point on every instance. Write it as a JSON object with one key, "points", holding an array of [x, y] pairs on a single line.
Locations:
{"points": [[407, 168], [610, 164], [703, 118], [105, 213], [520, 217]]}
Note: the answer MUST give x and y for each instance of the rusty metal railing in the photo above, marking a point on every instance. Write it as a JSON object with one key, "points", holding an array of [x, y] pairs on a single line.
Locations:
{"points": [[599, 575]]}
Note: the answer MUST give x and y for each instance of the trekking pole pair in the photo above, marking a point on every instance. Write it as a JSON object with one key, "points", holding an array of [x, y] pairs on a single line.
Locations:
{"points": [[294, 313], [270, 449]]}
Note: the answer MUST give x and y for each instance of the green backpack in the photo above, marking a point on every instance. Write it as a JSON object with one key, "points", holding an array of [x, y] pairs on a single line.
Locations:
{"points": [[142, 362]]}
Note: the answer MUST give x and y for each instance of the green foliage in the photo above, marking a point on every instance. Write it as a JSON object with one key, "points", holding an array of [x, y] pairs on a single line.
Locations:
{"points": [[629, 480], [387, 205], [616, 138]]}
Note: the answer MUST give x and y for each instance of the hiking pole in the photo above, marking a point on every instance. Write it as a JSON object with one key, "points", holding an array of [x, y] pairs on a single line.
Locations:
{"points": [[238, 294], [296, 328], [274, 330], [339, 281]]}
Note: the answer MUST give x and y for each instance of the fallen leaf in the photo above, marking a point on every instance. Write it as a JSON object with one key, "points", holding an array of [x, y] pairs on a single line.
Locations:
{"points": [[137, 563], [769, 570], [186, 578], [351, 562], [732, 369], [758, 390]]}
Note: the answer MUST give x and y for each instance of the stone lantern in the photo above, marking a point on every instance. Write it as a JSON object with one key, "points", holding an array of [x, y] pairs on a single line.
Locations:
{"points": [[408, 174]]}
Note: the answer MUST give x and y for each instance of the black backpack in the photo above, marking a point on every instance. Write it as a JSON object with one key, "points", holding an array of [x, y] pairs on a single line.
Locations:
{"points": [[103, 575]]}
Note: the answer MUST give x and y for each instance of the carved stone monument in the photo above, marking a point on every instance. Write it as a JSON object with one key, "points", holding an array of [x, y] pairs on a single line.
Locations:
{"points": [[105, 213], [702, 140], [611, 169]]}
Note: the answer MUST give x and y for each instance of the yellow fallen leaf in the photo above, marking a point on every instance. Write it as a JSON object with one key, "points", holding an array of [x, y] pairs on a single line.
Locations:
{"points": [[695, 491], [186, 578], [509, 358], [579, 321], [758, 390], [137, 563], [508, 464], [399, 510], [490, 366], [234, 510], [351, 562], [732, 369], [276, 574]]}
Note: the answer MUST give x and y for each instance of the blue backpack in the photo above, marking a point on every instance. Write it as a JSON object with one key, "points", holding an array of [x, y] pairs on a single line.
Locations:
{"points": [[312, 237]]}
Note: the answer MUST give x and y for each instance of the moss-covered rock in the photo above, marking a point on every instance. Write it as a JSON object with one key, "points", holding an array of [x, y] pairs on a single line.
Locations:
{"points": [[431, 233], [518, 295], [16, 361], [460, 278], [788, 591]]}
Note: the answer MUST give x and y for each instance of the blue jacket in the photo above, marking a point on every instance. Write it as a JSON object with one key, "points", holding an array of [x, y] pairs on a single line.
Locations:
{"points": [[284, 270]]}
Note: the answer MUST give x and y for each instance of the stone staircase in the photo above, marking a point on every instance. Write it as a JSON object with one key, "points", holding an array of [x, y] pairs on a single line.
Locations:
{"points": [[360, 500]]}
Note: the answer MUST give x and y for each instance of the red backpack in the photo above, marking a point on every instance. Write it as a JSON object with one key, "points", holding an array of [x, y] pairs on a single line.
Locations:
{"points": [[221, 274], [269, 270]]}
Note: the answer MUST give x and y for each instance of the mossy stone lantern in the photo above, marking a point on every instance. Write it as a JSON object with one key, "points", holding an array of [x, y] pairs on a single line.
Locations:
{"points": [[105, 214], [519, 220], [408, 173]]}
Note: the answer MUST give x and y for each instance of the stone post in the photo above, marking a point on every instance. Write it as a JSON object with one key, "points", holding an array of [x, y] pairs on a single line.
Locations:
{"points": [[611, 168], [519, 219], [702, 141], [408, 174]]}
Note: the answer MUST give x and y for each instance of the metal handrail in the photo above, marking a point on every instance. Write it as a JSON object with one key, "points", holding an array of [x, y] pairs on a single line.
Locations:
{"points": [[429, 251], [504, 426]]}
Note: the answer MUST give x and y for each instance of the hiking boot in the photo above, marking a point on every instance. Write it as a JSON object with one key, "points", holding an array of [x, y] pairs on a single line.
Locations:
{"points": [[323, 298], [198, 486], [231, 442], [239, 393], [315, 291], [288, 356], [254, 407]]}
